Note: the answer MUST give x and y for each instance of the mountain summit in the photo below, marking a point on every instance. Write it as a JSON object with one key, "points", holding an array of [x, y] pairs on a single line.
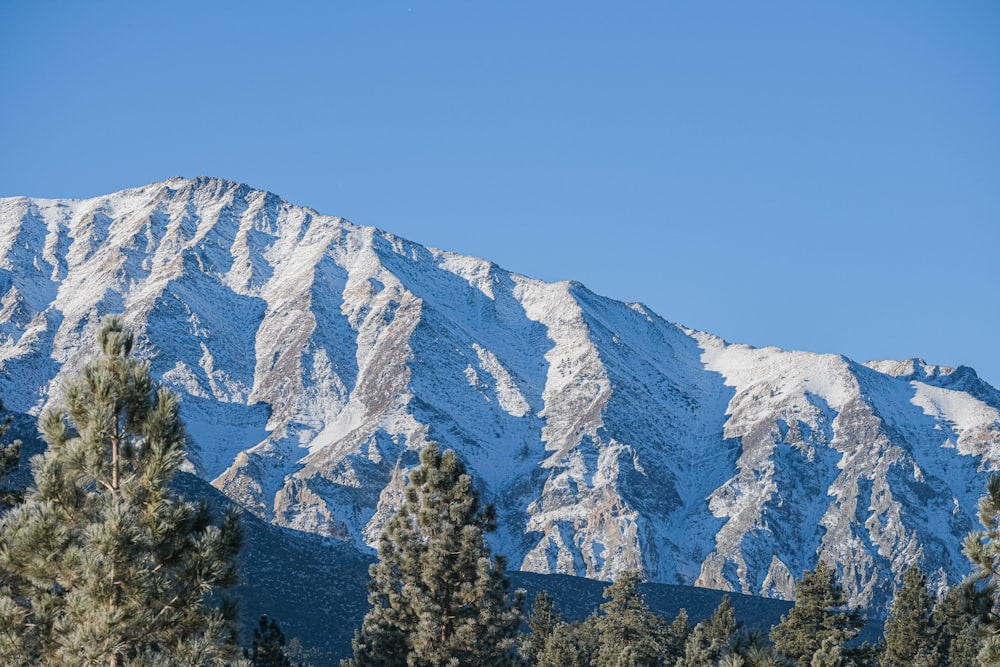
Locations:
{"points": [[315, 357]]}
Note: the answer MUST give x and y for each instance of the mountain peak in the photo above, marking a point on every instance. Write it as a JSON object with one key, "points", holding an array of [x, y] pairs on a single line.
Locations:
{"points": [[314, 358]]}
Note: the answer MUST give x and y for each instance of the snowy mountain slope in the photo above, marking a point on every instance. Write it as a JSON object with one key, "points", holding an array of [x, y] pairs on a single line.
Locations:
{"points": [[314, 357], [841, 461]]}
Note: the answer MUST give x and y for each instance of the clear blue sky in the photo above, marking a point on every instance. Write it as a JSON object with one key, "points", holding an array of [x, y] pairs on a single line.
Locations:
{"points": [[821, 176]]}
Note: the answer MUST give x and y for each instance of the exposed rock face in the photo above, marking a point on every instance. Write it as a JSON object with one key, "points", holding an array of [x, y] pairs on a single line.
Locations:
{"points": [[314, 357]]}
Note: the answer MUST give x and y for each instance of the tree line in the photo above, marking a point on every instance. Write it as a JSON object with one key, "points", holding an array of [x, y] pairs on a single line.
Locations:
{"points": [[438, 598], [102, 563]]}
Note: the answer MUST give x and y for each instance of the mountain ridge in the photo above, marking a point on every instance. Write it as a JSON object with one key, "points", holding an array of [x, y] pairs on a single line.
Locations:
{"points": [[314, 357]]}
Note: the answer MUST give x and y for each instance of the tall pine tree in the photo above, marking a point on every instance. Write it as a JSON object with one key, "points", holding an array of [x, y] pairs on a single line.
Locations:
{"points": [[958, 631], [438, 598], [710, 640], [983, 588], [630, 634], [677, 635], [911, 631], [820, 613], [542, 620], [10, 456], [105, 564], [570, 645], [268, 648]]}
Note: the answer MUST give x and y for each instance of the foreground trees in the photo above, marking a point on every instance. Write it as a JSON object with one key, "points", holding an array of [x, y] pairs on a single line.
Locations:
{"points": [[10, 456], [924, 632], [102, 563], [708, 641], [958, 632], [983, 588], [438, 598], [911, 632], [628, 632], [820, 615], [542, 621], [624, 633], [268, 647]]}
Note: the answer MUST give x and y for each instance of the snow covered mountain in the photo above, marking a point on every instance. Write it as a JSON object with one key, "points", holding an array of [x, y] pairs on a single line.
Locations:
{"points": [[314, 357]]}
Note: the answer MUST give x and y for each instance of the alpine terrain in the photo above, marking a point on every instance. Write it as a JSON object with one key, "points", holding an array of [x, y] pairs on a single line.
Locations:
{"points": [[315, 357]]}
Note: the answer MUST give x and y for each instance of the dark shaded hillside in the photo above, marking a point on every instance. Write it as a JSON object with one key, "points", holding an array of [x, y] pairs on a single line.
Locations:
{"points": [[315, 588]]}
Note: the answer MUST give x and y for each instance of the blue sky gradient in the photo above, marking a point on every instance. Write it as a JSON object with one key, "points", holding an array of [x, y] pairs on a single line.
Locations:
{"points": [[818, 176]]}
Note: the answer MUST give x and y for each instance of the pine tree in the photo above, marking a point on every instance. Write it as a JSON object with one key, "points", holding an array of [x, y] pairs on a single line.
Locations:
{"points": [[630, 634], [982, 589], [958, 636], [542, 620], [268, 648], [865, 654], [710, 639], [699, 651], [820, 613], [722, 625], [10, 456], [911, 632], [754, 649], [677, 636], [570, 645], [437, 596], [105, 564], [732, 660], [299, 654], [765, 656], [829, 654]]}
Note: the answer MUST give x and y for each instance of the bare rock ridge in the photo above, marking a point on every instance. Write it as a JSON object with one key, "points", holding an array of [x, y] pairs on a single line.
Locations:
{"points": [[314, 357]]}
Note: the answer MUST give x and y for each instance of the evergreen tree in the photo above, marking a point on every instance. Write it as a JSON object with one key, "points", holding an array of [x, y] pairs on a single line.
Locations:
{"points": [[754, 650], [542, 620], [709, 640], [677, 636], [698, 649], [732, 660], [437, 596], [630, 634], [911, 630], [570, 645], [300, 654], [105, 564], [864, 655], [982, 589], [820, 613], [10, 456], [723, 626], [764, 656], [958, 636], [268, 648], [829, 654]]}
